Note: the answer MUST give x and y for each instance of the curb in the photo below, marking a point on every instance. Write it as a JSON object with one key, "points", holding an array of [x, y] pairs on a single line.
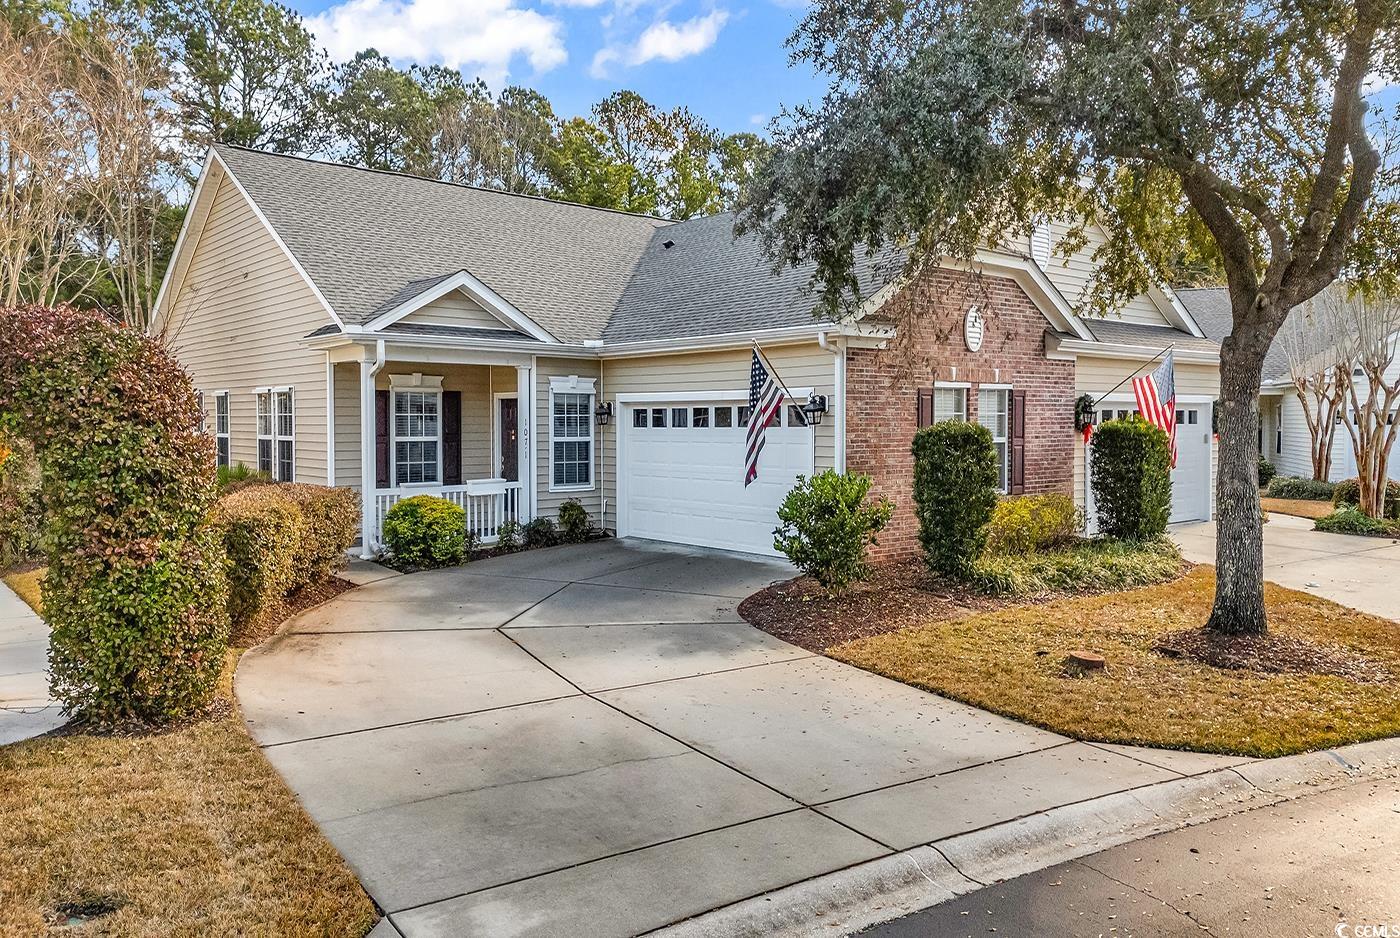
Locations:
{"points": [[892, 886]]}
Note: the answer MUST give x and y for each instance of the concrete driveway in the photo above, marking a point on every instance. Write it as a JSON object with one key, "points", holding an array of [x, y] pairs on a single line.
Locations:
{"points": [[1361, 572], [588, 741]]}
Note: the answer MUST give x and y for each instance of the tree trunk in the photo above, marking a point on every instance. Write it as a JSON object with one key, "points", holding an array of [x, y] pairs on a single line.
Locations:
{"points": [[1239, 541]]}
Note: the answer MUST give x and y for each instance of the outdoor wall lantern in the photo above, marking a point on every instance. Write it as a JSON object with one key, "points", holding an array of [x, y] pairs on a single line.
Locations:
{"points": [[814, 408], [603, 413], [1083, 412]]}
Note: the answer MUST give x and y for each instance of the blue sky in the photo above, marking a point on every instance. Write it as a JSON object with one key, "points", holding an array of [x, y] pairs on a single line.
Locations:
{"points": [[725, 61]]}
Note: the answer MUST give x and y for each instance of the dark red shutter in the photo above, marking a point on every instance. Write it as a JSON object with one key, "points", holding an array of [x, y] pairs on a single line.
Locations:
{"points": [[925, 407], [451, 437], [381, 439], [1018, 442]]}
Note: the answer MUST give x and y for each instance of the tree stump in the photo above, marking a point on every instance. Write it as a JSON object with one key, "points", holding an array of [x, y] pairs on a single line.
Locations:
{"points": [[1085, 661]]}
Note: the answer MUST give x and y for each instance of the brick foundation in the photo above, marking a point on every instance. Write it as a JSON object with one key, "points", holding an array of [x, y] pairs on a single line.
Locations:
{"points": [[882, 386]]}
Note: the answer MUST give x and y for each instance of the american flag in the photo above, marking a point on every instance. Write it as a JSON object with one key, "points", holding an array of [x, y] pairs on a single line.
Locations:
{"points": [[1156, 400], [765, 398]]}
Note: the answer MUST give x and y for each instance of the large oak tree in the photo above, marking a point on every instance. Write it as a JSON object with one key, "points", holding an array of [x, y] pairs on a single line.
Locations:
{"points": [[950, 124]]}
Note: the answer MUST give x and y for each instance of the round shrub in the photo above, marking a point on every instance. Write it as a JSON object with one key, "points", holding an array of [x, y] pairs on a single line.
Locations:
{"points": [[955, 492], [574, 524], [135, 593], [1027, 523], [426, 531], [262, 533], [1348, 492], [1294, 487], [827, 524], [1266, 472], [539, 532], [1131, 476]]}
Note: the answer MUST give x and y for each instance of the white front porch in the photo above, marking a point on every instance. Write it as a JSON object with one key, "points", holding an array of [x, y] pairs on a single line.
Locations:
{"points": [[488, 504]]}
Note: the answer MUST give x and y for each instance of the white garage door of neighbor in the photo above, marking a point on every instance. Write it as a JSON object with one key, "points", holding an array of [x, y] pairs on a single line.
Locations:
{"points": [[681, 476], [1191, 479]]}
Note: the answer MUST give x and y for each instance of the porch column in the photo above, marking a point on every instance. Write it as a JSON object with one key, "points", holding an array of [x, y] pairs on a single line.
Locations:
{"points": [[367, 463], [524, 418]]}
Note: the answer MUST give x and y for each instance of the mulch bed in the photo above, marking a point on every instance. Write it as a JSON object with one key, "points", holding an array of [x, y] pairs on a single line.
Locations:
{"points": [[898, 594], [1273, 654], [266, 625]]}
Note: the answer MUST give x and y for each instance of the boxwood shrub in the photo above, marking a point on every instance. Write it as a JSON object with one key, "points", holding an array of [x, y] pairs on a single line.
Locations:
{"points": [[426, 531], [1294, 487], [955, 492], [575, 526], [135, 591], [1025, 523], [1131, 475], [1348, 492], [827, 526], [1266, 472]]}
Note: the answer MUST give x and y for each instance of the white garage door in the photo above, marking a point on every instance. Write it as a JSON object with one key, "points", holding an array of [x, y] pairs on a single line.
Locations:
{"points": [[1191, 479], [681, 476]]}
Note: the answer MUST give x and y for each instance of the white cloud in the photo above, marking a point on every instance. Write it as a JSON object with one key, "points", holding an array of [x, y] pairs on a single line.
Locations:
{"points": [[758, 120], [664, 40], [481, 37]]}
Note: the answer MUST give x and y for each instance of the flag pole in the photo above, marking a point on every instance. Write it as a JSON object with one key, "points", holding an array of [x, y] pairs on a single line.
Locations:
{"points": [[774, 370], [1134, 373]]}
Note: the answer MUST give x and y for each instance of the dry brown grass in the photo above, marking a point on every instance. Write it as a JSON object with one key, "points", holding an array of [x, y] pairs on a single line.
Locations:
{"points": [[1301, 507], [26, 585], [1011, 661], [188, 832]]}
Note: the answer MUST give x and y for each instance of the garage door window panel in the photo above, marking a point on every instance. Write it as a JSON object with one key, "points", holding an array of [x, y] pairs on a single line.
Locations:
{"points": [[571, 434]]}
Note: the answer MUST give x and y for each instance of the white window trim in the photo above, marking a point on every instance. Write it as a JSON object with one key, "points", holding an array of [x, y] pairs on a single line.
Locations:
{"points": [[227, 435], [272, 393], [963, 386], [573, 384], [1005, 441], [394, 393]]}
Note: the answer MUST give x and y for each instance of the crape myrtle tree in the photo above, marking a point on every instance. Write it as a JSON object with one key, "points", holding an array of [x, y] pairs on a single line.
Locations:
{"points": [[951, 125]]}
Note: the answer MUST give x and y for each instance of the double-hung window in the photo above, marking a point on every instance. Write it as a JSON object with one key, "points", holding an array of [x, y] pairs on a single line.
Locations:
{"points": [[949, 403], [417, 437], [994, 413], [571, 433], [221, 434], [276, 434]]}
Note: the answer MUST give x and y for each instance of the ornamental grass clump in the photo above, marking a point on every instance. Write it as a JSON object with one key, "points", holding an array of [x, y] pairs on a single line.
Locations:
{"points": [[1131, 475], [135, 593], [955, 493], [426, 531]]}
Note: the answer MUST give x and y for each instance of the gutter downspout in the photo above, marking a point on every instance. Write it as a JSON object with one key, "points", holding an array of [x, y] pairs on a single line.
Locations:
{"points": [[838, 351], [368, 472]]}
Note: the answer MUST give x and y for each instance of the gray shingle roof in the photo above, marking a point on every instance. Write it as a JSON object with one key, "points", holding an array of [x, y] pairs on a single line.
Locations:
{"points": [[1131, 333], [363, 235], [1210, 307]]}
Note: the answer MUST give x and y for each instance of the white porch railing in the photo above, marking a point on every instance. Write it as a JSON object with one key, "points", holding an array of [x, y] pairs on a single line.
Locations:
{"points": [[489, 503]]}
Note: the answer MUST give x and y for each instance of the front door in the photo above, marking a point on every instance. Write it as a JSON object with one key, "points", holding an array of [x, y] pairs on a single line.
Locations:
{"points": [[510, 439]]}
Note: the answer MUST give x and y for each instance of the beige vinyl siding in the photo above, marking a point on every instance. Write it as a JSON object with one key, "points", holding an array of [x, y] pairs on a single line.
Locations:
{"points": [[238, 322], [347, 424], [799, 366], [1096, 375], [1072, 275], [547, 502], [456, 309]]}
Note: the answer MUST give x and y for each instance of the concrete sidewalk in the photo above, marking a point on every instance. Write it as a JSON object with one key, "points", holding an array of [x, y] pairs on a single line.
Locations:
{"points": [[1360, 572], [26, 709], [589, 741]]}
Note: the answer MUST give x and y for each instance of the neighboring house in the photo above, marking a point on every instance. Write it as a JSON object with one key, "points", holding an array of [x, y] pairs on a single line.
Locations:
{"points": [[404, 335], [1284, 439]]}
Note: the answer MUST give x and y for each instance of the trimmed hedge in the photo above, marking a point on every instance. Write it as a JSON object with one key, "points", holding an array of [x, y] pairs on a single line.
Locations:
{"points": [[1131, 476], [1294, 487], [279, 538], [135, 591], [21, 503], [1033, 522], [1348, 492], [1099, 565], [827, 525], [427, 531], [955, 492]]}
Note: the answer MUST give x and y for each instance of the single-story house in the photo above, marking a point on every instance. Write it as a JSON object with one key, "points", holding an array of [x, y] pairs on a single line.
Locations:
{"points": [[1284, 438], [403, 335]]}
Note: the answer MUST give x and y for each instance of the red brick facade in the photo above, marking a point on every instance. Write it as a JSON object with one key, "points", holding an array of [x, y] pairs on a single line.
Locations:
{"points": [[882, 389]]}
